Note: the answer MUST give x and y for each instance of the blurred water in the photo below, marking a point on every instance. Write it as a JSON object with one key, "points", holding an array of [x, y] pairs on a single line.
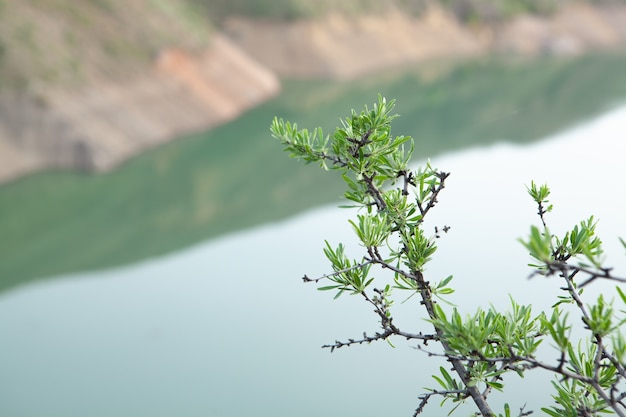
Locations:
{"points": [[228, 329], [235, 177]]}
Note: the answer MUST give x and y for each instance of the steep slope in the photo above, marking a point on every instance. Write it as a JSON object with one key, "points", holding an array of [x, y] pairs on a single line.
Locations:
{"points": [[86, 85], [342, 46]]}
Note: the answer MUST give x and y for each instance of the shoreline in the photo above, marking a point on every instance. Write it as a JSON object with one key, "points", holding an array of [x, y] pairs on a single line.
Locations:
{"points": [[102, 124]]}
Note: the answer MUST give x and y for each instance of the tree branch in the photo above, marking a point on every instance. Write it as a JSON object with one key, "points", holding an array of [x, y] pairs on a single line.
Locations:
{"points": [[305, 278]]}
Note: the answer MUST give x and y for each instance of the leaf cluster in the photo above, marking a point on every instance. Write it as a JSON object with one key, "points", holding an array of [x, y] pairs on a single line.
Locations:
{"points": [[392, 202]]}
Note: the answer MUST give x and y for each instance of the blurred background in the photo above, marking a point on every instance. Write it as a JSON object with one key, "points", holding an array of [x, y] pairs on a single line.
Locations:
{"points": [[153, 234]]}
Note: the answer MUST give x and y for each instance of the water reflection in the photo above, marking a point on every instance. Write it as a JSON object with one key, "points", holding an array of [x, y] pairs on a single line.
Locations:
{"points": [[205, 186], [228, 329]]}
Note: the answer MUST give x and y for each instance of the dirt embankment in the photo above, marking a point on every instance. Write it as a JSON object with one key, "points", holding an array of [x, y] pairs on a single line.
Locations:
{"points": [[345, 47], [108, 119], [103, 123]]}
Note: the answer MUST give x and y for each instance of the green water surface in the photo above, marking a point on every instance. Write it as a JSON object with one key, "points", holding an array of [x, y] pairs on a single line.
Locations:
{"points": [[235, 176]]}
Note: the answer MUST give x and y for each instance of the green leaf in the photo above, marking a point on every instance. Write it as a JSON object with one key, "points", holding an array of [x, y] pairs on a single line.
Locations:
{"points": [[539, 244], [440, 381], [496, 385], [328, 287], [538, 193], [445, 282], [621, 294], [551, 412], [507, 410]]}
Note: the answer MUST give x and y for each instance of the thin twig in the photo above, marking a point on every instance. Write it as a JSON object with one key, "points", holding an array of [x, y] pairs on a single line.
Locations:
{"points": [[305, 278]]}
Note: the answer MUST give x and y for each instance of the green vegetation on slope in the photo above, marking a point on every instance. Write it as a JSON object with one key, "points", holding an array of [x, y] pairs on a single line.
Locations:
{"points": [[473, 11], [233, 177], [64, 42]]}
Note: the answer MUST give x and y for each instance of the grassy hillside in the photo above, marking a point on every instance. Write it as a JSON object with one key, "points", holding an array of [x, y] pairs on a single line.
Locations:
{"points": [[471, 11], [65, 42]]}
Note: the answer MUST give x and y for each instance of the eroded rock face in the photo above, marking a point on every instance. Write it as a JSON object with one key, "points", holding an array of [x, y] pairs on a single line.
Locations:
{"points": [[341, 47], [344, 47], [105, 122], [108, 119], [573, 30]]}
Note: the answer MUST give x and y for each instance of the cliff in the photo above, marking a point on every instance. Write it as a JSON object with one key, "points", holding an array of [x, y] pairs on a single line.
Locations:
{"points": [[342, 46], [97, 126], [86, 85]]}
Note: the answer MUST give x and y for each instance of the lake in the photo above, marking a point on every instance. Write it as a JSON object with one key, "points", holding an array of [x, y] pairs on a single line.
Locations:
{"points": [[235, 177], [225, 327]]}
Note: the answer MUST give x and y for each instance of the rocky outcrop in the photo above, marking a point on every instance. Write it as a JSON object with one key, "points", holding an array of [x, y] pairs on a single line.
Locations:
{"points": [[104, 123], [346, 47], [575, 29], [339, 46]]}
